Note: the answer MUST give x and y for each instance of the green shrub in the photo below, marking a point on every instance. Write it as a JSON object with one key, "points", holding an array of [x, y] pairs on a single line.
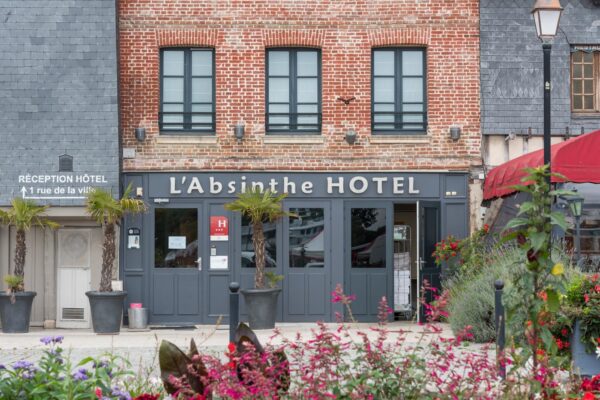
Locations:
{"points": [[472, 293], [471, 300]]}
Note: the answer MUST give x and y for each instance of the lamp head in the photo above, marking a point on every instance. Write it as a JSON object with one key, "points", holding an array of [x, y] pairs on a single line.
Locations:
{"points": [[546, 15]]}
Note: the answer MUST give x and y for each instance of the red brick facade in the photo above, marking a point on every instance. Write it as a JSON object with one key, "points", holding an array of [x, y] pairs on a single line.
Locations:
{"points": [[345, 31]]}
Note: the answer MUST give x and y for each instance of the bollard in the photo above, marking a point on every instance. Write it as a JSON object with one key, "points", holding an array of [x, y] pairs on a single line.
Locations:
{"points": [[234, 309], [500, 329]]}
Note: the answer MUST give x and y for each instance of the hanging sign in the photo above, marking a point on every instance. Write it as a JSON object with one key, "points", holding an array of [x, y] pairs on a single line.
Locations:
{"points": [[219, 228]]}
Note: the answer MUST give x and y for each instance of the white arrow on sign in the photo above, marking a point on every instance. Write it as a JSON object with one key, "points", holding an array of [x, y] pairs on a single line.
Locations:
{"points": [[24, 195]]}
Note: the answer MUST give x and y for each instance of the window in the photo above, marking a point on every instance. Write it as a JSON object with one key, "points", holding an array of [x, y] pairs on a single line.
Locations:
{"points": [[306, 238], [187, 101], [293, 91], [399, 103], [368, 237], [175, 237], [585, 77]]}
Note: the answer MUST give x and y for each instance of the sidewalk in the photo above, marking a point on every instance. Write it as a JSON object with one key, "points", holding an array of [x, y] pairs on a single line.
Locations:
{"points": [[140, 347]]}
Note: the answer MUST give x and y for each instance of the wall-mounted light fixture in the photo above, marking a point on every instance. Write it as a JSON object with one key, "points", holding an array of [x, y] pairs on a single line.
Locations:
{"points": [[455, 133], [350, 136], [140, 134], [238, 131]]}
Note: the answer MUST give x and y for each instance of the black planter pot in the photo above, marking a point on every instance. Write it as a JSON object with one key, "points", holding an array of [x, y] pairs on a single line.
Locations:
{"points": [[15, 317], [107, 311], [584, 363], [262, 307]]}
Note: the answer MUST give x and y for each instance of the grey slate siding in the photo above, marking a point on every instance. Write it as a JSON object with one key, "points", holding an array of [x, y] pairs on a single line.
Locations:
{"points": [[58, 91], [512, 66]]}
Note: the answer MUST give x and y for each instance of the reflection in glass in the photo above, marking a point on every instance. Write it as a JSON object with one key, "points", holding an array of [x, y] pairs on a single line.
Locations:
{"points": [[175, 237], [248, 259], [368, 237], [306, 238]]}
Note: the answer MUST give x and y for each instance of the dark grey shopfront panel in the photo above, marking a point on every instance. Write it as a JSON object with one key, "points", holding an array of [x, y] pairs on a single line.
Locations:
{"points": [[307, 262], [368, 248], [176, 290], [217, 268], [188, 295]]}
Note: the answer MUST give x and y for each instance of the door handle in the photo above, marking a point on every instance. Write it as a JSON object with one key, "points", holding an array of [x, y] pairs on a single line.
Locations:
{"points": [[199, 262]]}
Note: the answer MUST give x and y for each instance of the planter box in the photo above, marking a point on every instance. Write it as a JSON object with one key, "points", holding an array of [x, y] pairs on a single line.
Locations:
{"points": [[584, 364], [15, 316]]}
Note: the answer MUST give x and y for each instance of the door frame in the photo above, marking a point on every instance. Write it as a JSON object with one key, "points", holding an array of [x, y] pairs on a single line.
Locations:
{"points": [[421, 247], [327, 253], [388, 205]]}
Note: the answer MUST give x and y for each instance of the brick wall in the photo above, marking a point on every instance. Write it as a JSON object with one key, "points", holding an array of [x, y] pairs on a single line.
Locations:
{"points": [[345, 31]]}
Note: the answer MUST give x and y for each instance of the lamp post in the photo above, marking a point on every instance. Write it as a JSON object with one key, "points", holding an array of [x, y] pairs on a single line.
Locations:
{"points": [[546, 14], [576, 206]]}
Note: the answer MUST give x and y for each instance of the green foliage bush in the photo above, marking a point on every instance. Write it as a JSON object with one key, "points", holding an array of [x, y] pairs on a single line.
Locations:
{"points": [[471, 300]]}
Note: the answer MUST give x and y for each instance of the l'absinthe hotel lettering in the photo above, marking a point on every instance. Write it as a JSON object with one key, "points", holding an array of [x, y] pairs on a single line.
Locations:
{"points": [[334, 185]]}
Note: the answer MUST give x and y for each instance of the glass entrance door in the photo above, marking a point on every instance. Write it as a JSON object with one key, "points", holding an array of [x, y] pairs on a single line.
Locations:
{"points": [[429, 235], [175, 290], [368, 247], [306, 260]]}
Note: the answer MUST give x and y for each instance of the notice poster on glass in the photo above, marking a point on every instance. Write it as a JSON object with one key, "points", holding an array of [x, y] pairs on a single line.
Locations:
{"points": [[218, 262], [176, 242]]}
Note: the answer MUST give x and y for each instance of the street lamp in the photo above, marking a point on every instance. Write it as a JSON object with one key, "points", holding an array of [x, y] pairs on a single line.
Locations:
{"points": [[546, 14], [576, 205]]}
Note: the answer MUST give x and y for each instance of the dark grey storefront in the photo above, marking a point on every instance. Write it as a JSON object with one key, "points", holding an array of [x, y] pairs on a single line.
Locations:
{"points": [[179, 257]]}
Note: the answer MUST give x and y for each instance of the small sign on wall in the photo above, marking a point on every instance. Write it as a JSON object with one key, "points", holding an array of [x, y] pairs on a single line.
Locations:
{"points": [[177, 242], [219, 228]]}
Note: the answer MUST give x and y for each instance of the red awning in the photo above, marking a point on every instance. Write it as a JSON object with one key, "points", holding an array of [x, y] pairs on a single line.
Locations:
{"points": [[578, 159]]}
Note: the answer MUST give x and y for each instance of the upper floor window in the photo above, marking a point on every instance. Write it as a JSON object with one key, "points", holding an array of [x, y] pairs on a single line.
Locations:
{"points": [[585, 79], [187, 87], [293, 91], [399, 95]]}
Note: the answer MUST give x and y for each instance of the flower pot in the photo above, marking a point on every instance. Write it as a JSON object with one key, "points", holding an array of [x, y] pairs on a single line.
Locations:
{"points": [[584, 363], [262, 307], [107, 311], [15, 316]]}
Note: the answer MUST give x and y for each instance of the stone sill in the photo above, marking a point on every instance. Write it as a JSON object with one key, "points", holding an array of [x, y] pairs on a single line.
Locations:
{"points": [[393, 139], [172, 139], [294, 139]]}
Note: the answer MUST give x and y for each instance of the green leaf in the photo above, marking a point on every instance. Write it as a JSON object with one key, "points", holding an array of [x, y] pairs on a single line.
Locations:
{"points": [[558, 218], [553, 301], [538, 239], [515, 223], [526, 207], [548, 340]]}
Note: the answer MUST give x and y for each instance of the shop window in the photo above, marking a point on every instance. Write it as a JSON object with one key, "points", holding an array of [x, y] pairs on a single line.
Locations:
{"points": [[585, 78], [293, 91], [368, 237], [175, 237], [187, 102], [399, 95], [270, 231], [306, 238]]}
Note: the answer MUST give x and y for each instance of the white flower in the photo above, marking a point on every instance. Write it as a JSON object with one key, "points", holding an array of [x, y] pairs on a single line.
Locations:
{"points": [[598, 352]]}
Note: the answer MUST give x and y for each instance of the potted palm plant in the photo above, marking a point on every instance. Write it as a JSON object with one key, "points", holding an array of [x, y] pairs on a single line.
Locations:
{"points": [[260, 207], [106, 305], [15, 303]]}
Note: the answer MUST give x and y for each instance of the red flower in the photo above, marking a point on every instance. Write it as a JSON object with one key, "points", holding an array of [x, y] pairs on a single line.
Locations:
{"points": [[231, 365], [453, 254], [586, 297], [453, 245], [486, 228], [564, 332], [146, 396], [588, 396], [98, 393], [231, 347], [597, 288]]}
